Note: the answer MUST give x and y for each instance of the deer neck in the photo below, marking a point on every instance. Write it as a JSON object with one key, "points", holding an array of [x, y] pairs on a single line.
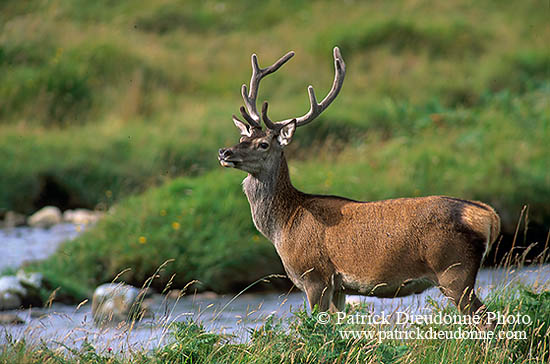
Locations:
{"points": [[273, 199]]}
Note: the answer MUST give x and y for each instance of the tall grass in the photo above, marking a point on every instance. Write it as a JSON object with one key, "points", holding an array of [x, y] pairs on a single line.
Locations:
{"points": [[206, 231]]}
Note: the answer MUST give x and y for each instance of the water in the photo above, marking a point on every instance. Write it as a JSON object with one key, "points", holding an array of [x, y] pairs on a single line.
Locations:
{"points": [[23, 244], [72, 325]]}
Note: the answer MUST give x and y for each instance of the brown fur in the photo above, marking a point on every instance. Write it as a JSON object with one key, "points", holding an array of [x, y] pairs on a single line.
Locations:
{"points": [[332, 246]]}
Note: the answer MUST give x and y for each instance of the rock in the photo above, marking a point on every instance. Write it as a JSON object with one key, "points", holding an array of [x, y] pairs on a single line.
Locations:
{"points": [[22, 290], [13, 219], [115, 302], [12, 284], [206, 295], [174, 294], [30, 279], [9, 301], [11, 292], [45, 217], [10, 319], [82, 216]]}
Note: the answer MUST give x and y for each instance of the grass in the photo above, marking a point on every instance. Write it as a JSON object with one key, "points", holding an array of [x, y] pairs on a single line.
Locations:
{"points": [[100, 99], [303, 339], [207, 229]]}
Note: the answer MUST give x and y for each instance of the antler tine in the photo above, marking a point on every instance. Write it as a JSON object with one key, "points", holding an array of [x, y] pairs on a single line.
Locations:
{"points": [[271, 125], [249, 119], [315, 107], [249, 96]]}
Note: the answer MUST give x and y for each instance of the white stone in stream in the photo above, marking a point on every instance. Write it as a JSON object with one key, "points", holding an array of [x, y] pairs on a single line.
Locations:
{"points": [[30, 279], [10, 319], [11, 292], [13, 219], [117, 302], [9, 301], [81, 216], [45, 217]]}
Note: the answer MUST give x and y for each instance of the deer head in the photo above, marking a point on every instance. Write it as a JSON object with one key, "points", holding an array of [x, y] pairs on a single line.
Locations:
{"points": [[260, 150]]}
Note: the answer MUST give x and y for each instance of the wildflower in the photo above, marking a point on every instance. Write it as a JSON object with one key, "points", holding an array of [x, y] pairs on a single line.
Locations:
{"points": [[163, 212], [176, 225], [142, 239]]}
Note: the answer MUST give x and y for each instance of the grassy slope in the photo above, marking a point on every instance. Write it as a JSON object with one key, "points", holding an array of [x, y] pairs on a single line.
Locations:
{"points": [[104, 97], [109, 100]]}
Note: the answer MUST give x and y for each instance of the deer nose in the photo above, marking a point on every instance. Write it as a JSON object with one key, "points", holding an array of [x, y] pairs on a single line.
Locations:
{"points": [[225, 153]]}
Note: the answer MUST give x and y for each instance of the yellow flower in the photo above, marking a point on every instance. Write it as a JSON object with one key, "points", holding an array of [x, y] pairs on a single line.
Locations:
{"points": [[163, 212], [58, 54], [176, 225], [142, 239]]}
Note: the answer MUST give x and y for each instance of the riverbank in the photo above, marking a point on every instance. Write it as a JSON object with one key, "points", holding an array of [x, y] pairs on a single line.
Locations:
{"points": [[229, 314], [302, 337]]}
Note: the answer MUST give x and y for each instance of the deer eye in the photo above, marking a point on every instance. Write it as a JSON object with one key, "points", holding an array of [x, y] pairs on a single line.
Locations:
{"points": [[264, 145]]}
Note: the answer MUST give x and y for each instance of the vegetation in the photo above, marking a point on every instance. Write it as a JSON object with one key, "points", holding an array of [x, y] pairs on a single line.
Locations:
{"points": [[125, 104], [107, 100], [302, 339], [206, 234]]}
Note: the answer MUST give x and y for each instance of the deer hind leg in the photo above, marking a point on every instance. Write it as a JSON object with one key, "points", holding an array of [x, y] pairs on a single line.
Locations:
{"points": [[457, 283], [338, 301]]}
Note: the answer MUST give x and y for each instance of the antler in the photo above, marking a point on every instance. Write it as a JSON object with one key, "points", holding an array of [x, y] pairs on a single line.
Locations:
{"points": [[267, 121], [253, 117], [317, 108]]}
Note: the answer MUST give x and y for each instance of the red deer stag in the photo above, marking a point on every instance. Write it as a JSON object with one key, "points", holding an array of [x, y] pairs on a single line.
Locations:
{"points": [[332, 246]]}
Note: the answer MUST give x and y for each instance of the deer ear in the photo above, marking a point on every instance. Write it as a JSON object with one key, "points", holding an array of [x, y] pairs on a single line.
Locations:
{"points": [[286, 133], [245, 129]]}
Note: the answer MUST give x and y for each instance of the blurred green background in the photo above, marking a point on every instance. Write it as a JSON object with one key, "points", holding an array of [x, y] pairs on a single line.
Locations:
{"points": [[125, 103]]}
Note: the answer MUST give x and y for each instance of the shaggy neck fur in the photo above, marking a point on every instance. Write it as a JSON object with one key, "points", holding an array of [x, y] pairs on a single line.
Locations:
{"points": [[273, 200]]}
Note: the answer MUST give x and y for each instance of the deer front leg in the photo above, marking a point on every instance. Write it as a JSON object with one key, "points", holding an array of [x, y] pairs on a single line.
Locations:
{"points": [[329, 296], [319, 293]]}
